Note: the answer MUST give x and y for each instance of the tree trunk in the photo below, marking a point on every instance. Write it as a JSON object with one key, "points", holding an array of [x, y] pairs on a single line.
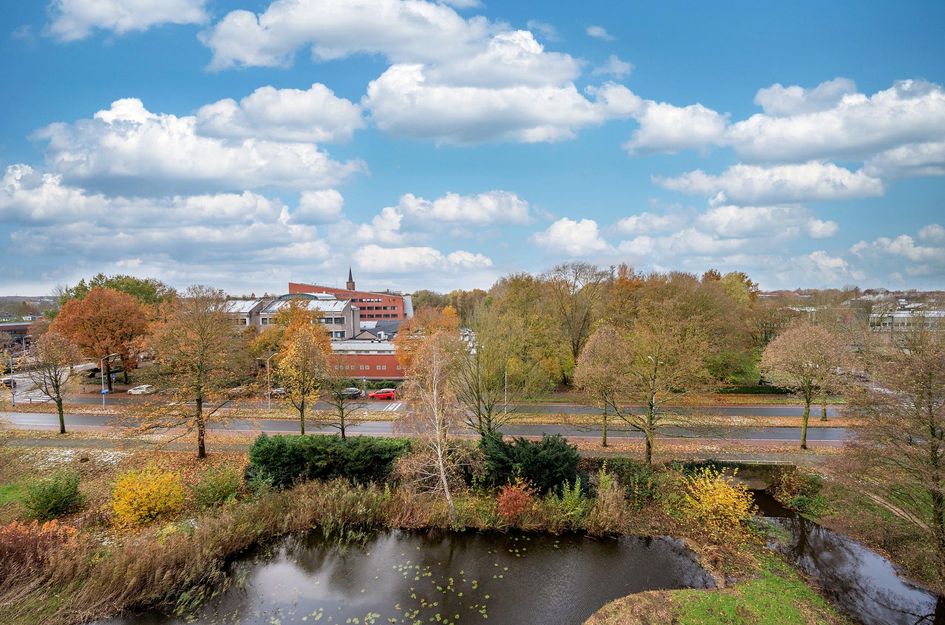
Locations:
{"points": [[201, 431], [804, 419], [342, 424], [823, 407], [126, 374], [108, 375], [441, 461], [604, 436], [649, 448], [62, 419], [302, 417]]}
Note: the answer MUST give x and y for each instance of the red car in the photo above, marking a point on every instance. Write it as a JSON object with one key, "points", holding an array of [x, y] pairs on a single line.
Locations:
{"points": [[384, 393]]}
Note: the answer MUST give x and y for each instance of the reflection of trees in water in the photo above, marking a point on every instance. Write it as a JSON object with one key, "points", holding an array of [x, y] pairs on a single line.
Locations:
{"points": [[853, 576]]}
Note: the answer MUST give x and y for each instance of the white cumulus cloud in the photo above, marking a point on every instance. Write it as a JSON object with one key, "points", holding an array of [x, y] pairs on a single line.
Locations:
{"points": [[668, 128], [377, 259], [572, 238], [750, 184], [129, 146], [314, 115], [77, 19]]}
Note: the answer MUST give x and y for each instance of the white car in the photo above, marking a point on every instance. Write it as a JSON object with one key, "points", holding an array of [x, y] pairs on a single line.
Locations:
{"points": [[144, 389]]}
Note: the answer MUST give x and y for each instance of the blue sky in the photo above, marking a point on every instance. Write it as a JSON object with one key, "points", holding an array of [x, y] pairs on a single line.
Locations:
{"points": [[443, 145]]}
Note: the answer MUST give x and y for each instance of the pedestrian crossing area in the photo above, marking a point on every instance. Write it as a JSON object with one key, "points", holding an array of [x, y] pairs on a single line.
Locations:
{"points": [[393, 407]]}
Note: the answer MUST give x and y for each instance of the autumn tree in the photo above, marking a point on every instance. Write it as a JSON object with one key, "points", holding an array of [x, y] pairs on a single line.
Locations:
{"points": [[493, 373], [199, 353], [302, 363], [902, 447], [600, 371], [53, 358], [435, 411], [423, 324], [575, 291], [659, 359], [804, 358], [102, 323]]}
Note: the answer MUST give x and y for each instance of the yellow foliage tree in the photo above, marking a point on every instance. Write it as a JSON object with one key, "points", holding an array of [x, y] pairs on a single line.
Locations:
{"points": [[303, 363]]}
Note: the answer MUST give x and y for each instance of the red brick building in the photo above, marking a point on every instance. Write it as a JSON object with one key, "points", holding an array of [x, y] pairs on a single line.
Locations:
{"points": [[371, 305], [370, 360]]}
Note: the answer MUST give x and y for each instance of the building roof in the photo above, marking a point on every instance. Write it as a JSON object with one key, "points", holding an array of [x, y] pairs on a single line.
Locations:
{"points": [[242, 306], [908, 314], [363, 347], [321, 305]]}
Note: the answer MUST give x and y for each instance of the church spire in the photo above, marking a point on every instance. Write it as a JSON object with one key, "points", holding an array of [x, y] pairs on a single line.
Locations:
{"points": [[350, 283]]}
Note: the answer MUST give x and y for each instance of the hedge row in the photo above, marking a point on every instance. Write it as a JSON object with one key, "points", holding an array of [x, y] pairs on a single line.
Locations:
{"points": [[285, 460]]}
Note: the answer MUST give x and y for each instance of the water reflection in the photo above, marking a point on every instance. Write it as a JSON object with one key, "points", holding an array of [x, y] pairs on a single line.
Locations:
{"points": [[860, 581], [398, 577]]}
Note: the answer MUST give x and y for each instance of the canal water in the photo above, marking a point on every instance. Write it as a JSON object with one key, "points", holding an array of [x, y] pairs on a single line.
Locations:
{"points": [[859, 581], [442, 578]]}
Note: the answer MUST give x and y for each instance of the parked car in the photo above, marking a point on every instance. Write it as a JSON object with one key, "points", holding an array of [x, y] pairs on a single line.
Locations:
{"points": [[9, 382], [144, 389], [351, 392], [277, 392], [383, 393]]}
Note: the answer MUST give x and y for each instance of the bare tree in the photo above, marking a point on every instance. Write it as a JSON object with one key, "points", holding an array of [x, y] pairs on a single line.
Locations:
{"points": [[903, 444], [575, 290], [199, 352], [435, 410], [345, 406], [805, 358], [54, 356]]}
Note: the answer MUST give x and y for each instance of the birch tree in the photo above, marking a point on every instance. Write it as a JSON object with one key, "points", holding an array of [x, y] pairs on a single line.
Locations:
{"points": [[435, 412]]}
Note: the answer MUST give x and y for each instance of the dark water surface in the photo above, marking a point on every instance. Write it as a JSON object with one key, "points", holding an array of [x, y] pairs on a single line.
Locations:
{"points": [[405, 578], [859, 581]]}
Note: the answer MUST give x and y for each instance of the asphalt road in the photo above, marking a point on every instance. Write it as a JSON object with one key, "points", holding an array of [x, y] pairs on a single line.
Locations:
{"points": [[760, 410], [31, 420]]}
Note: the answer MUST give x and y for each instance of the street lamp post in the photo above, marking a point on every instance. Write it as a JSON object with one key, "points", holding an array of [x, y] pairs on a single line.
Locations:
{"points": [[101, 367], [12, 383], [268, 383]]}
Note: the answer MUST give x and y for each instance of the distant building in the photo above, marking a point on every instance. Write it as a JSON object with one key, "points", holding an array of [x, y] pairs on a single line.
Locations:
{"points": [[339, 316], [371, 304], [905, 320]]}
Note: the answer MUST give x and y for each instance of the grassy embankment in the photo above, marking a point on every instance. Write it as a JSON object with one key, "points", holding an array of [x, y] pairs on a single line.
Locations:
{"points": [[776, 595]]}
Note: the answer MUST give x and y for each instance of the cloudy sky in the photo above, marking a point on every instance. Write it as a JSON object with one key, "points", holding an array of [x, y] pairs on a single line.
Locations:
{"points": [[443, 144]]}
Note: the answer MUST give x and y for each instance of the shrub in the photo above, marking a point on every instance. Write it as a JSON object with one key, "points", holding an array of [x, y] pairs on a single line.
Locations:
{"points": [[26, 547], [716, 502], [217, 486], [641, 481], [567, 510], [515, 501], [546, 464], [800, 491], [609, 514], [49, 498], [143, 495], [288, 459]]}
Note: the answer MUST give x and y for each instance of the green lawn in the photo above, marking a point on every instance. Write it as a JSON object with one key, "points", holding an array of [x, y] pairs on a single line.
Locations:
{"points": [[777, 597]]}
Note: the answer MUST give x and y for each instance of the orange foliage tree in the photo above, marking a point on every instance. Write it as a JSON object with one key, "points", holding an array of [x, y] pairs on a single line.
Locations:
{"points": [[104, 322], [426, 322]]}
